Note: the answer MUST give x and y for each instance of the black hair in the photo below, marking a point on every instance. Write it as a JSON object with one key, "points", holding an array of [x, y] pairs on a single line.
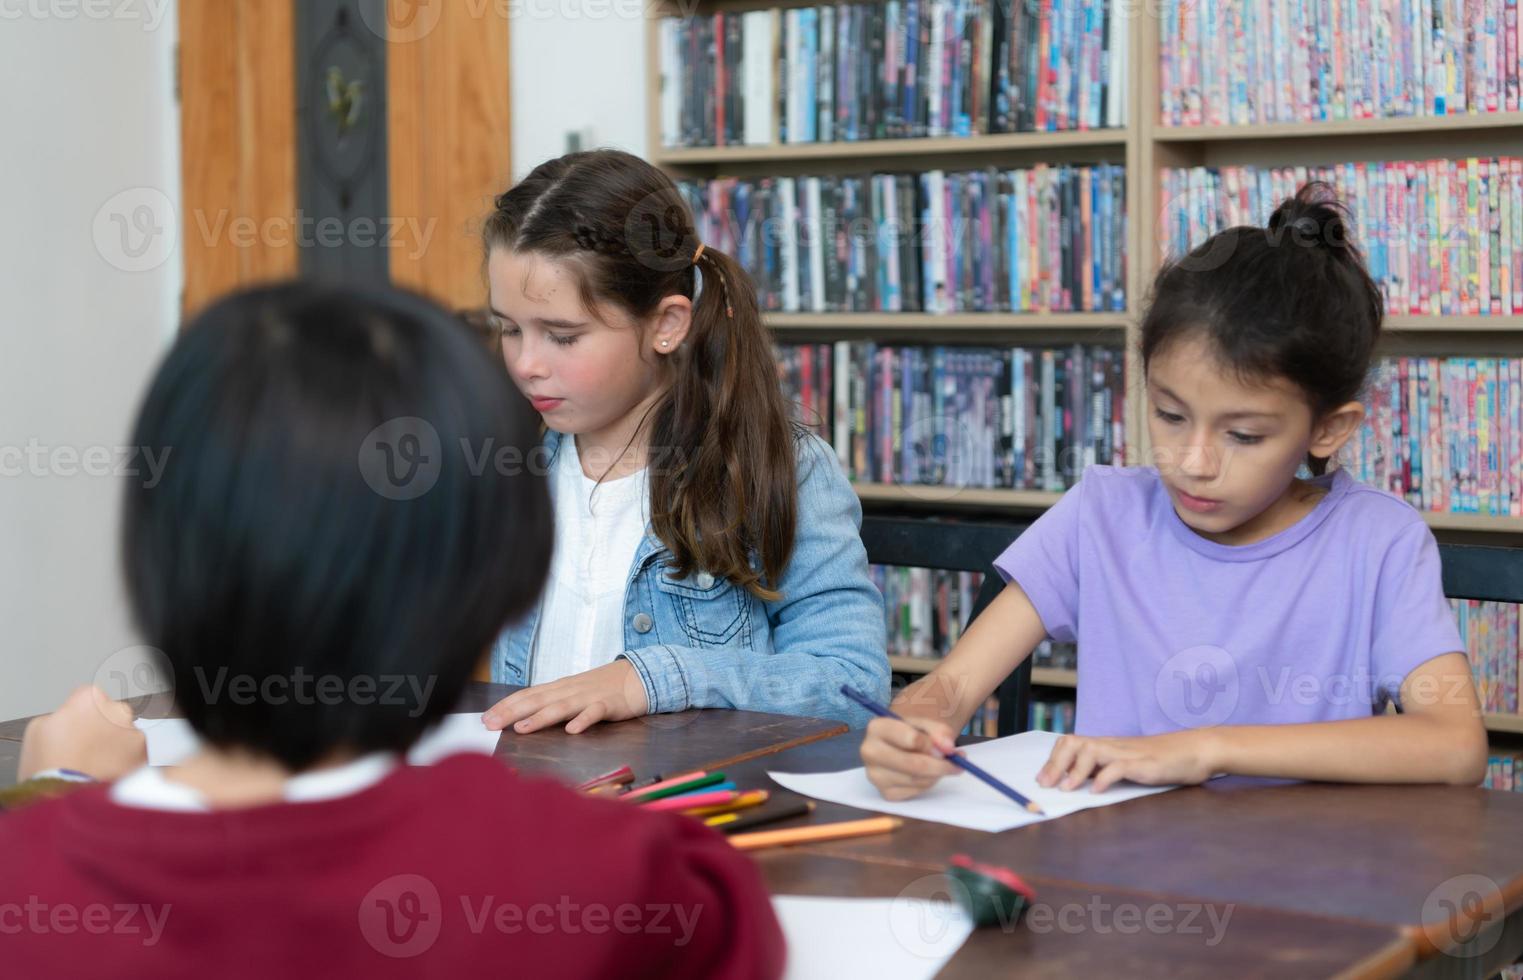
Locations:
{"points": [[344, 498], [1292, 300]]}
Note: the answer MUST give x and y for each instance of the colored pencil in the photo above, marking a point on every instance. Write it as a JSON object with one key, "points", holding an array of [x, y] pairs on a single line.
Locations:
{"points": [[670, 788], [956, 758], [618, 777], [697, 800], [816, 832], [780, 810], [746, 800]]}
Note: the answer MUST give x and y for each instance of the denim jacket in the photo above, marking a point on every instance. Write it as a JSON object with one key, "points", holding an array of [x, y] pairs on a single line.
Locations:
{"points": [[703, 642]]}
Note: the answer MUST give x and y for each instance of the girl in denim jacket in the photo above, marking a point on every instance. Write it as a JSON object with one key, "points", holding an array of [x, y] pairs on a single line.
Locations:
{"points": [[708, 550]]}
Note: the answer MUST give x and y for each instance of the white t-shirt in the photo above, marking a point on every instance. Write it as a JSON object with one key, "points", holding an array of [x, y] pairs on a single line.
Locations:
{"points": [[581, 619]]}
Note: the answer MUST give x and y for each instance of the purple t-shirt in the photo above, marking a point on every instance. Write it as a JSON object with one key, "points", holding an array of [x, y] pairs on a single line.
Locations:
{"points": [[1319, 622]]}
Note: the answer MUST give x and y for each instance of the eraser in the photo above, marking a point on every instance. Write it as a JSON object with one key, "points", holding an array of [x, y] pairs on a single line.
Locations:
{"points": [[991, 895]]}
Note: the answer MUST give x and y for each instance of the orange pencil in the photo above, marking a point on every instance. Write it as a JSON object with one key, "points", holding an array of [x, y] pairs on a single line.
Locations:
{"points": [[819, 832]]}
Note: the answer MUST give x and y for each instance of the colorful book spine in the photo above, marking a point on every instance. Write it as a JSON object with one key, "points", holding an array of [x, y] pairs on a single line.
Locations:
{"points": [[1335, 59], [1017, 418], [1465, 217]]}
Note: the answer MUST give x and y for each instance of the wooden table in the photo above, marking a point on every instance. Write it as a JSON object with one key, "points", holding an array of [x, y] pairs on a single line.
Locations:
{"points": [[1386, 857], [1319, 880], [1077, 930], [669, 743]]}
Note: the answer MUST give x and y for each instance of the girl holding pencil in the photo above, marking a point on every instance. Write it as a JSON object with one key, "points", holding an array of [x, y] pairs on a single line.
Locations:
{"points": [[1231, 616], [707, 548]]}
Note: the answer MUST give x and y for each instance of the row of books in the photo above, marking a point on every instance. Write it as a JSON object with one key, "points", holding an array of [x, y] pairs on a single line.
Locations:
{"points": [[985, 720], [1039, 239], [1504, 772], [1060, 656], [1440, 236], [1027, 418], [1052, 716], [892, 70], [1445, 434], [1286, 61], [926, 608], [1490, 632]]}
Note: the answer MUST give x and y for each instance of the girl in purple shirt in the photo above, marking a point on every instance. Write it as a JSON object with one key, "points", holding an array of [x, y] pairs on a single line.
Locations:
{"points": [[1231, 617]]}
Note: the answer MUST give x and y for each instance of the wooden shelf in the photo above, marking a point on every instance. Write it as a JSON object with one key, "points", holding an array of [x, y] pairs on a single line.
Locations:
{"points": [[1512, 724], [1041, 676], [915, 495], [928, 146], [939, 496], [1452, 324], [1473, 522], [1054, 677], [948, 321], [1004, 321], [1417, 125]]}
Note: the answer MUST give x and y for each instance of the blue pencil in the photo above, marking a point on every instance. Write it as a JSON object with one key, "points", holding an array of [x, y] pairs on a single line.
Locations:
{"points": [[957, 759]]}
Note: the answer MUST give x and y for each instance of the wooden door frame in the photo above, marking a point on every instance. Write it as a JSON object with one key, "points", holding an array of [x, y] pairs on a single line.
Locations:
{"points": [[449, 139]]}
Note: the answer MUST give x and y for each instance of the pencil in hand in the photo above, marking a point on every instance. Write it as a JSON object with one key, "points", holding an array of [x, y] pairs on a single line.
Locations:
{"points": [[956, 758]]}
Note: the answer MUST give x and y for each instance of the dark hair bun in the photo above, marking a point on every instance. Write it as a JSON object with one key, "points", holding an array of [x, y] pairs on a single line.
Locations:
{"points": [[1315, 217]]}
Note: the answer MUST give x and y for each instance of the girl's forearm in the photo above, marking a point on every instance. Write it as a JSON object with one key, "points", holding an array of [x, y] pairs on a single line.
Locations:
{"points": [[993, 645], [1388, 748], [938, 696]]}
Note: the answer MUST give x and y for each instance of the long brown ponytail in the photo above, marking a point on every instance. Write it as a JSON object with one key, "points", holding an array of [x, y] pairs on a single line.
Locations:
{"points": [[722, 462]]}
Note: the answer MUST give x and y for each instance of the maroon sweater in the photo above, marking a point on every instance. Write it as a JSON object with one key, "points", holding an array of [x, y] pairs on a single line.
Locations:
{"points": [[460, 869]]}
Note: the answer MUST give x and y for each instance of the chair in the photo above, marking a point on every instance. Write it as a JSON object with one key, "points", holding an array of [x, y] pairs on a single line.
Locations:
{"points": [[1482, 572], [960, 547]]}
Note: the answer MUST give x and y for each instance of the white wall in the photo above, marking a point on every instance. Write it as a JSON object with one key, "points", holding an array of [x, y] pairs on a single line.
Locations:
{"points": [[90, 280], [576, 65], [87, 114]]}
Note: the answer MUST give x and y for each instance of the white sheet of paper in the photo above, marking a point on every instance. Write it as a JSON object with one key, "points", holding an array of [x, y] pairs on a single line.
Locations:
{"points": [[171, 740], [964, 800], [883, 938]]}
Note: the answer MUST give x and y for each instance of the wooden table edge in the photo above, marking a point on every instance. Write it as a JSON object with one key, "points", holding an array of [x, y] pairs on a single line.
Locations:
{"points": [[1394, 961]]}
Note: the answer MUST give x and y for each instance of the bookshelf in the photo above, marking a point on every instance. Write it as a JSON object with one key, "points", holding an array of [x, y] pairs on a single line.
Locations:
{"points": [[1146, 148]]}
